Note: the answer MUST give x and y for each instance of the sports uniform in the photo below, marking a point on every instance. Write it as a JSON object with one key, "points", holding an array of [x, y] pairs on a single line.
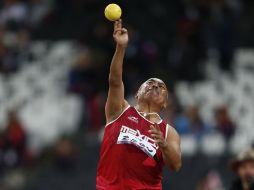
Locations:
{"points": [[129, 157]]}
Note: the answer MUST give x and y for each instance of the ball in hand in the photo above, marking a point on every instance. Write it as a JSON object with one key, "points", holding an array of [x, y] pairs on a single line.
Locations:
{"points": [[113, 12]]}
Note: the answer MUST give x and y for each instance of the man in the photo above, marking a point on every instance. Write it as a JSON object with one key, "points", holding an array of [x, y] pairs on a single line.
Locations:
{"points": [[243, 166], [137, 143]]}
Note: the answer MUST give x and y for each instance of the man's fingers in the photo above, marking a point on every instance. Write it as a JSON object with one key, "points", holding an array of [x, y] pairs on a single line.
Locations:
{"points": [[159, 141], [118, 25], [155, 132], [157, 127], [118, 28], [152, 127], [117, 31], [157, 136], [124, 30], [115, 25], [121, 30]]}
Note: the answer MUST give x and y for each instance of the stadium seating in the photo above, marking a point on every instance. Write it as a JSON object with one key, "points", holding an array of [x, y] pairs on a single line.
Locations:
{"points": [[235, 90], [38, 91]]}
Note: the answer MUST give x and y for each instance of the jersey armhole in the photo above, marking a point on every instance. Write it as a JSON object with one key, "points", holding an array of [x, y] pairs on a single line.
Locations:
{"points": [[118, 116], [167, 129]]}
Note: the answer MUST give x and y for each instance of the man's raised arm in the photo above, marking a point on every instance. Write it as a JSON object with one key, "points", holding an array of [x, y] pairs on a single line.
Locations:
{"points": [[115, 101]]}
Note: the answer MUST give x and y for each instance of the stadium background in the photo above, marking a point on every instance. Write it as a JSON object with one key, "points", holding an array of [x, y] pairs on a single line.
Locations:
{"points": [[54, 61]]}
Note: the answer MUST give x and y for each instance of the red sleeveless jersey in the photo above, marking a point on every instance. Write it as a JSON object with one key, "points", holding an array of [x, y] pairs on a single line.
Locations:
{"points": [[129, 158]]}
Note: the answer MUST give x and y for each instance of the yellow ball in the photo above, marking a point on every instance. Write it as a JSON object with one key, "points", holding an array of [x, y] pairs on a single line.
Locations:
{"points": [[113, 12]]}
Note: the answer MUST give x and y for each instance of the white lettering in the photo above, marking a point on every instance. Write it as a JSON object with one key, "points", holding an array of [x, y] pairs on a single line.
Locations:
{"points": [[131, 136]]}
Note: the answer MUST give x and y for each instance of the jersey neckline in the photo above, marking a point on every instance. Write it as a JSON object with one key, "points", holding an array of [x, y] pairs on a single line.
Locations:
{"points": [[146, 118]]}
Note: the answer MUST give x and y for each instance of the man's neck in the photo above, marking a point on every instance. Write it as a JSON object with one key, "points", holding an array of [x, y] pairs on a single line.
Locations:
{"points": [[150, 113], [147, 108]]}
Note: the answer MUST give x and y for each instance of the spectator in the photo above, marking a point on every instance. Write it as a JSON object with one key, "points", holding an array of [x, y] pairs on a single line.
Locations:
{"points": [[13, 142], [188, 51], [3, 52], [65, 154], [211, 181], [81, 82], [38, 10], [223, 122], [220, 29], [23, 46], [13, 12], [243, 167], [190, 122]]}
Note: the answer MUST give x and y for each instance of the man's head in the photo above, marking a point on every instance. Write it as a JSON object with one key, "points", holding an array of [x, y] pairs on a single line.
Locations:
{"points": [[243, 166], [154, 92]]}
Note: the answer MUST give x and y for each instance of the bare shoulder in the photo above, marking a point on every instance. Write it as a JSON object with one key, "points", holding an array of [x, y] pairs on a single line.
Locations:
{"points": [[125, 104], [172, 134], [117, 114]]}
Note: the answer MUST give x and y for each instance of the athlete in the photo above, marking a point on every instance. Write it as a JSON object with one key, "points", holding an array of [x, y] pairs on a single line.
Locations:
{"points": [[137, 143]]}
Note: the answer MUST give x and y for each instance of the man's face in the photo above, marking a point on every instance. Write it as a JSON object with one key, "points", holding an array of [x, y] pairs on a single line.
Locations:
{"points": [[153, 90], [246, 171]]}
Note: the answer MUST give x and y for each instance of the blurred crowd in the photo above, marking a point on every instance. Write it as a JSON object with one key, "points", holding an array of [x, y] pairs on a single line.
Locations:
{"points": [[187, 120], [17, 20], [170, 40]]}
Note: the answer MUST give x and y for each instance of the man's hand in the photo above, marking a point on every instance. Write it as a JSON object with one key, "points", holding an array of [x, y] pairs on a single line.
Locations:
{"points": [[157, 135], [120, 34], [169, 147]]}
